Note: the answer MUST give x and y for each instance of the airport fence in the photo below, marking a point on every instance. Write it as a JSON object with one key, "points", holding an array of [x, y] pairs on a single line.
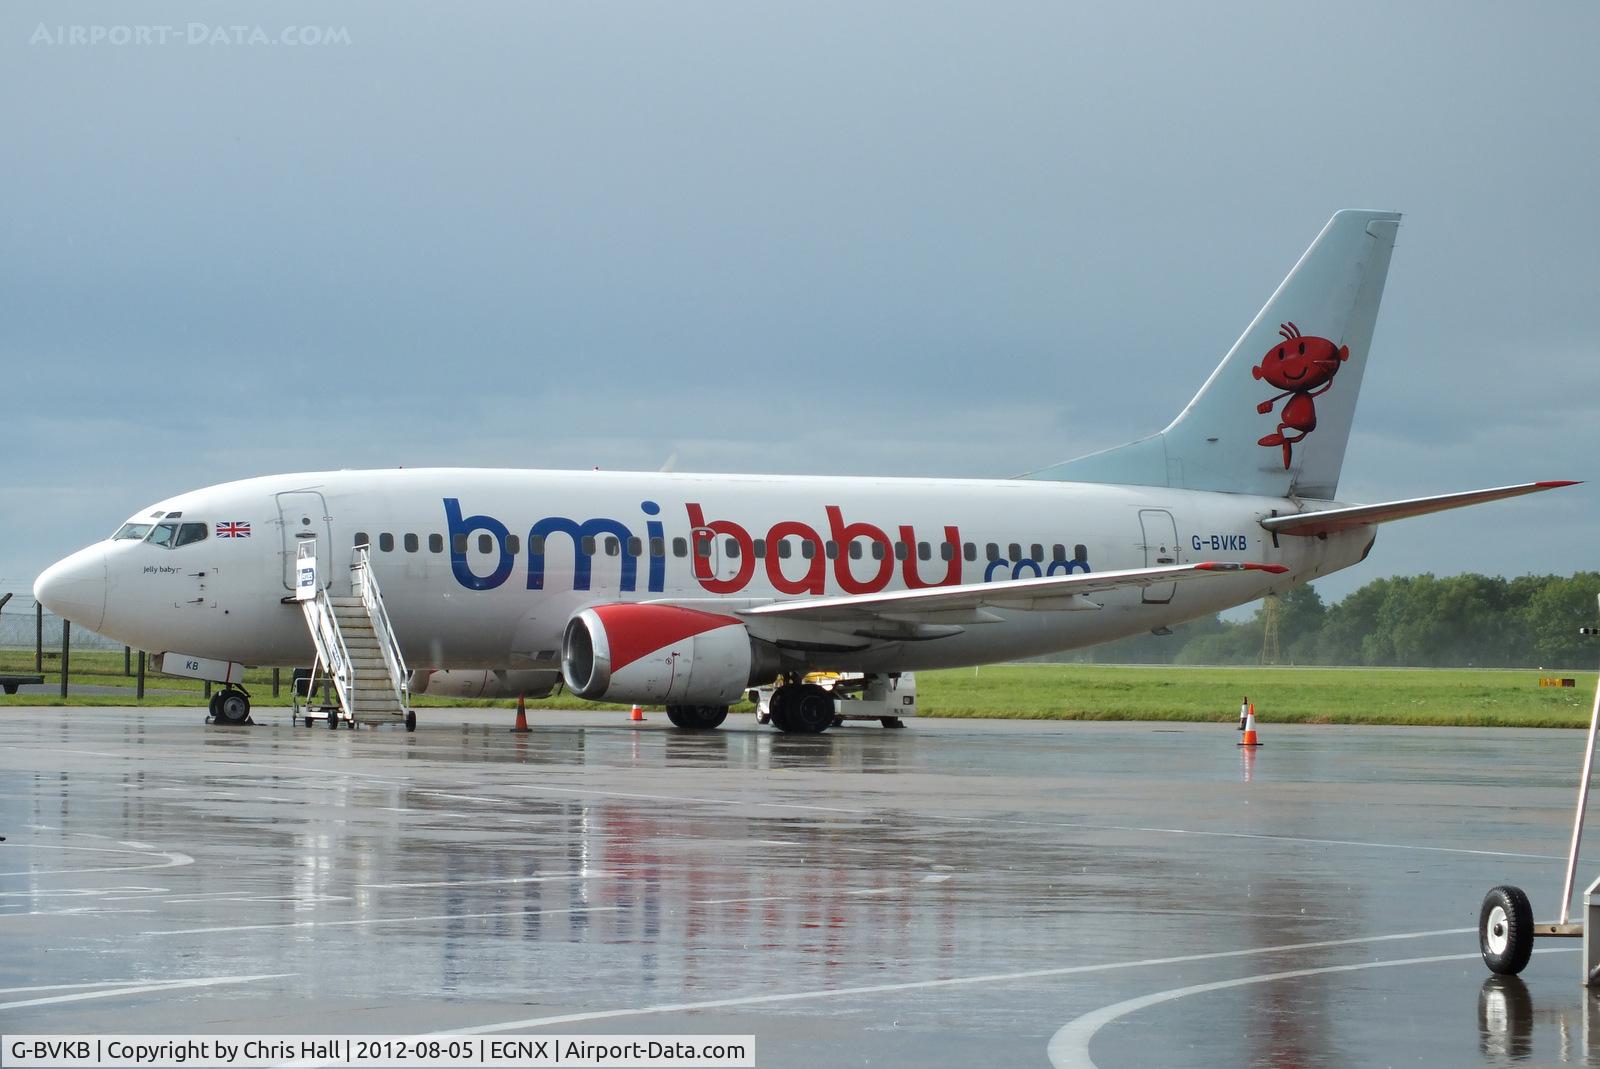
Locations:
{"points": [[35, 640]]}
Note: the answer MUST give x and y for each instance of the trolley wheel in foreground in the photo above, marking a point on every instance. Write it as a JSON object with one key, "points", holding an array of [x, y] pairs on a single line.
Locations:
{"points": [[1505, 930]]}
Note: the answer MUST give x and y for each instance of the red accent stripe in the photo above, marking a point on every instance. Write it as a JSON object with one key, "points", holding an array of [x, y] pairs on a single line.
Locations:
{"points": [[635, 631]]}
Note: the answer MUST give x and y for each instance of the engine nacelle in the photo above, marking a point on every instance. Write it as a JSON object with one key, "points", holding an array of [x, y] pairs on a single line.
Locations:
{"points": [[657, 655], [485, 683]]}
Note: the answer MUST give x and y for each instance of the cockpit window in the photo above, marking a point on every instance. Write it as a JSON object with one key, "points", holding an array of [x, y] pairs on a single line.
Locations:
{"points": [[172, 535], [131, 531], [190, 533]]}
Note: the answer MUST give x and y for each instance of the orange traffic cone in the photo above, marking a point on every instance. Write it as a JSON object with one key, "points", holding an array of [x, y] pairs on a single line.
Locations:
{"points": [[522, 717], [637, 715], [1244, 712], [1250, 727]]}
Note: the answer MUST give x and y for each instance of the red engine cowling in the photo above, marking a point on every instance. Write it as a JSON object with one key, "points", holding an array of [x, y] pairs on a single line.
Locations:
{"points": [[656, 655]]}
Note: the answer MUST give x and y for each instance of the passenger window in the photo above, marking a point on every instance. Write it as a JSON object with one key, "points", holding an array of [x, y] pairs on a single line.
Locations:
{"points": [[513, 545], [190, 533], [970, 551], [947, 551], [613, 547], [1037, 552], [485, 543], [991, 552], [855, 550], [1015, 551], [680, 547], [458, 543], [588, 545], [386, 542], [658, 547], [1058, 552], [760, 546], [925, 551], [634, 546], [901, 551], [362, 539], [1080, 552], [877, 550], [436, 543], [784, 549], [536, 543], [412, 545], [730, 548], [808, 548], [702, 547]]}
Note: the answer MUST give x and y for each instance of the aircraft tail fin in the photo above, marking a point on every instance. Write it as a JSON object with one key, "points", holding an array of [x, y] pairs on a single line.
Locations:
{"points": [[1275, 415]]}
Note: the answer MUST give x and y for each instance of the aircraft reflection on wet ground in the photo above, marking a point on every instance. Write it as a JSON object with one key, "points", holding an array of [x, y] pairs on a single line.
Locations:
{"points": [[958, 893]]}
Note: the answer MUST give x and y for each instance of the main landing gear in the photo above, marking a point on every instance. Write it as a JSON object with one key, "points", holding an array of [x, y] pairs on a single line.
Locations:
{"points": [[697, 717], [231, 705], [801, 709]]}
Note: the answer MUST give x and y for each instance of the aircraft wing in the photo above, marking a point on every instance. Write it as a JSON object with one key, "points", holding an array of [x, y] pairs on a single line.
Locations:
{"points": [[964, 604], [1330, 521]]}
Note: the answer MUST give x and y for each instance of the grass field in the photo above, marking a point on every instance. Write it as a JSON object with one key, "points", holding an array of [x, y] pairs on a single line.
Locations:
{"points": [[1056, 692]]}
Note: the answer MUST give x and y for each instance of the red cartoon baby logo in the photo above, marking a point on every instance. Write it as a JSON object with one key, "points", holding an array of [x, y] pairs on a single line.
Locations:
{"points": [[1303, 368]]}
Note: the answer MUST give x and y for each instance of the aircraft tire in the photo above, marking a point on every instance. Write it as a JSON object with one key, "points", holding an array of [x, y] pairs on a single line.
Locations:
{"points": [[411, 720], [212, 705], [778, 708], [710, 716], [231, 707], [808, 712], [1505, 930], [697, 717], [333, 720]]}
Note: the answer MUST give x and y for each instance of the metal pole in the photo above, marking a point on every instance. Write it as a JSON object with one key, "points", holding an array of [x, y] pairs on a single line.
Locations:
{"points": [[38, 637], [66, 652], [208, 689], [139, 691], [1583, 802], [275, 672], [127, 660]]}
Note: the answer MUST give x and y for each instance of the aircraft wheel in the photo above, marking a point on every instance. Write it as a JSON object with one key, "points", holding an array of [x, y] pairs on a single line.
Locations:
{"points": [[231, 707], [809, 711], [309, 721], [212, 705], [411, 720], [778, 707], [1505, 930], [710, 717], [333, 720]]}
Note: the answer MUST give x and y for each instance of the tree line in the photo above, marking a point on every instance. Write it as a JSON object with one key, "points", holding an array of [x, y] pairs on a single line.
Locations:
{"points": [[1457, 621]]}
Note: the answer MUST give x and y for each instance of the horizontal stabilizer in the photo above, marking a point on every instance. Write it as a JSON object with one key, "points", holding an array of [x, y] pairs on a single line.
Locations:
{"points": [[937, 603], [1332, 521]]}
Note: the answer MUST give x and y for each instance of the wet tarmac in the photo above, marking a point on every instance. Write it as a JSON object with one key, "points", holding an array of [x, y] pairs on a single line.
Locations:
{"points": [[959, 893]]}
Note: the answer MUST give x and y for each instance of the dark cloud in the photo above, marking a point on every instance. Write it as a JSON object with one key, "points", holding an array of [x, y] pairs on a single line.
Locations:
{"points": [[966, 240]]}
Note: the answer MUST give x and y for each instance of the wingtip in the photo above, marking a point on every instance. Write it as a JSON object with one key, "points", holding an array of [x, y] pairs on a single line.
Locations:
{"points": [[1551, 484]]}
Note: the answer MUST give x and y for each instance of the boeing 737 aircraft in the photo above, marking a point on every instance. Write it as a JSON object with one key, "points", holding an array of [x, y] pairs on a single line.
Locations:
{"points": [[684, 590]]}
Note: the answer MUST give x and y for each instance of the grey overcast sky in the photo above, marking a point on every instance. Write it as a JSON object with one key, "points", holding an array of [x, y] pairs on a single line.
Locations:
{"points": [[908, 239]]}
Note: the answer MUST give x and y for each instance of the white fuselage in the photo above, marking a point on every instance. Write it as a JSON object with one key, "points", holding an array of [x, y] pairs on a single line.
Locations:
{"points": [[483, 568]]}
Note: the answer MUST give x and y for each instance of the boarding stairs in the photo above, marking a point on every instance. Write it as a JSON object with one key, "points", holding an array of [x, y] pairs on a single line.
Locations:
{"points": [[356, 647]]}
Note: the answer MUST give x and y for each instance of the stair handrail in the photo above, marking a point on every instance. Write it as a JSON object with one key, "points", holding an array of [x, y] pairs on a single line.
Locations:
{"points": [[365, 582], [329, 640]]}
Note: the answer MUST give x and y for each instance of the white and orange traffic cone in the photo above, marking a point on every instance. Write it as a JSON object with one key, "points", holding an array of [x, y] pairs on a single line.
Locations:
{"points": [[1250, 727], [522, 716], [637, 716], [1244, 712]]}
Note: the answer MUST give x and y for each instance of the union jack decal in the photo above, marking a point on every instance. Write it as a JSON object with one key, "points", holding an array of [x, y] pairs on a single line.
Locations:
{"points": [[233, 530]]}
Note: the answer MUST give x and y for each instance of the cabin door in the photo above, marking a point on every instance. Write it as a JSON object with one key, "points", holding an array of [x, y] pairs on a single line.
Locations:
{"points": [[1160, 551]]}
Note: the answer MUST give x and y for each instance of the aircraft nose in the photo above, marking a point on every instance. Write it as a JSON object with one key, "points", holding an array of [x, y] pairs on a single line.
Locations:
{"points": [[75, 587]]}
